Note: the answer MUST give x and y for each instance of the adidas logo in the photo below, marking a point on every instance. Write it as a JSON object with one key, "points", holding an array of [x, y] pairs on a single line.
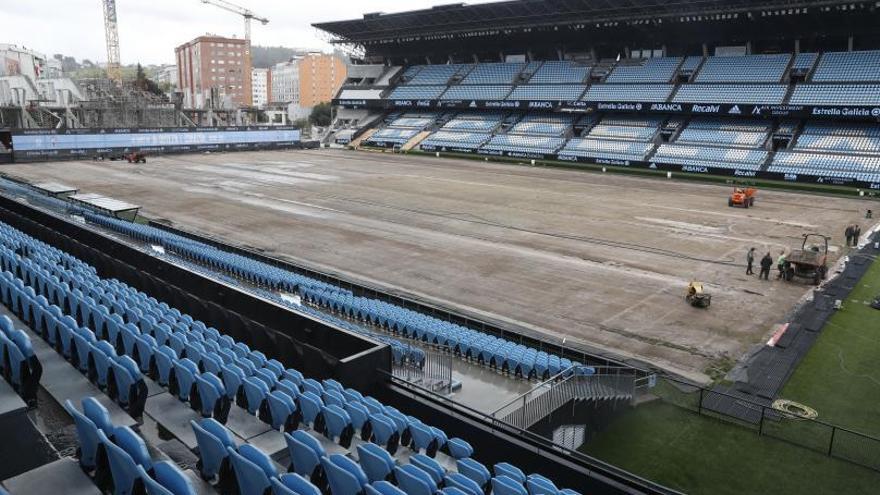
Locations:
{"points": [[653, 165], [473, 104], [734, 110]]}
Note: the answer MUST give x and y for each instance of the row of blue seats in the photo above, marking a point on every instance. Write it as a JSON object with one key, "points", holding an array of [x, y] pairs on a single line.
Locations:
{"points": [[493, 351], [117, 458], [125, 301], [516, 358], [375, 472], [262, 386], [191, 362], [248, 269], [18, 363]]}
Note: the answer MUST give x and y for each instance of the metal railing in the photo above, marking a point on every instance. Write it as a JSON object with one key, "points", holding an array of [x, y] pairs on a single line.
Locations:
{"points": [[548, 396], [435, 374]]}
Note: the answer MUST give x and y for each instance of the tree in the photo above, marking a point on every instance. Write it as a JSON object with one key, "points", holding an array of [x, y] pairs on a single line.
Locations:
{"points": [[320, 115], [301, 123], [143, 83]]}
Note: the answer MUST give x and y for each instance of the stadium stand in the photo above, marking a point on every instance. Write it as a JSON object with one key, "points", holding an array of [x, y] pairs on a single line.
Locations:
{"points": [[542, 125], [731, 93], [416, 92], [702, 156], [494, 73], [855, 139], [529, 144], [62, 295], [652, 70], [559, 92], [836, 94], [560, 72], [434, 74], [456, 139], [866, 168], [863, 66], [725, 132], [476, 92], [744, 68], [629, 92], [18, 362], [474, 122], [605, 149]]}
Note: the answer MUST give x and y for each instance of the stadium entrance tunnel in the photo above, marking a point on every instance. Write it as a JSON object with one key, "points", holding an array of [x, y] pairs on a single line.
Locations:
{"points": [[318, 349]]}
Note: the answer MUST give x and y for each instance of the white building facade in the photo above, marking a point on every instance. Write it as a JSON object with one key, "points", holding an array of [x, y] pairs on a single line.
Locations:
{"points": [[260, 86]]}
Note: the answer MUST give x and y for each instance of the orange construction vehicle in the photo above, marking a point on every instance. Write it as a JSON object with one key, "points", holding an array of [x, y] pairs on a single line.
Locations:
{"points": [[742, 196]]}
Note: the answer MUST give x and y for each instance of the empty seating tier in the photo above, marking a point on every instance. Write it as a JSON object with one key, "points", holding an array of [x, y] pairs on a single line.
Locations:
{"points": [[744, 68], [704, 156], [515, 143], [848, 67], [731, 93], [416, 92], [560, 72], [433, 74], [836, 94], [603, 149], [635, 133], [390, 135], [865, 168], [456, 139], [542, 125], [474, 122], [476, 92], [494, 73], [557, 92], [629, 92], [652, 70]]}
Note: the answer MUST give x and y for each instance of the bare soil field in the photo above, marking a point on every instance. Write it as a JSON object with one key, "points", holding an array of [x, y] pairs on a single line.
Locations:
{"points": [[599, 260]]}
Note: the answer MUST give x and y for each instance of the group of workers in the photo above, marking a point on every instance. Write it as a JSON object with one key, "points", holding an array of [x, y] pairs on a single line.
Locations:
{"points": [[853, 232], [766, 264]]}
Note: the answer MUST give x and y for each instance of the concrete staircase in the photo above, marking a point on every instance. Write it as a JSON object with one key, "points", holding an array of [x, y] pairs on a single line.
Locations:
{"points": [[414, 141], [356, 142]]}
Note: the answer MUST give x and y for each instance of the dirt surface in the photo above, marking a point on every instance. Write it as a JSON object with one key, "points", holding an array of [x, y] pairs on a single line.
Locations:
{"points": [[596, 259]]}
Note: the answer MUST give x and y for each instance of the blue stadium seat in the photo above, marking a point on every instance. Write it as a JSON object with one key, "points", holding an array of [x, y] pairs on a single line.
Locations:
{"points": [[376, 461], [463, 483], [337, 425], [414, 481], [459, 449], [344, 476], [210, 397], [283, 412], [430, 466], [167, 480], [511, 471], [293, 484], [99, 415], [88, 438], [474, 470], [213, 439], [305, 454], [253, 469], [383, 488], [123, 468], [503, 485]]}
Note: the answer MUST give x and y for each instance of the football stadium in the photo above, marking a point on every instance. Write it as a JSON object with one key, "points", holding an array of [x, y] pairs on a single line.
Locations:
{"points": [[557, 247]]}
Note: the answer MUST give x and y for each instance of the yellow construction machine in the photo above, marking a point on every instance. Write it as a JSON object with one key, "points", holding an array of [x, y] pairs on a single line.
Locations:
{"points": [[696, 296]]}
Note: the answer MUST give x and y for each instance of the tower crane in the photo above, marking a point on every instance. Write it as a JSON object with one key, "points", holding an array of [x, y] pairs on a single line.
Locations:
{"points": [[236, 9], [111, 34]]}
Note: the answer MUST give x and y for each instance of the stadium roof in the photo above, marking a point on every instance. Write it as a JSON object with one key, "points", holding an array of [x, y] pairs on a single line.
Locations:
{"points": [[445, 20]]}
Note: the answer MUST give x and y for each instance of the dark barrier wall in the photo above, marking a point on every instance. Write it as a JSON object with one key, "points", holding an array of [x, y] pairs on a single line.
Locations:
{"points": [[313, 347], [850, 112], [496, 442], [54, 144]]}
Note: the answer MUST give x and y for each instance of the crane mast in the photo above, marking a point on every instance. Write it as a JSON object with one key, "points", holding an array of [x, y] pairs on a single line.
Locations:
{"points": [[111, 34]]}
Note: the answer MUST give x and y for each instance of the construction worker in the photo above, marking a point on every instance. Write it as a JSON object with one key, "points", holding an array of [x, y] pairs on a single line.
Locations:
{"points": [[857, 232], [780, 264], [766, 263], [750, 259], [849, 235]]}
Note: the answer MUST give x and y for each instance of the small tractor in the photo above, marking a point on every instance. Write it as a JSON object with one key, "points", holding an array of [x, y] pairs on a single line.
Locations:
{"points": [[810, 261], [696, 296], [742, 196], [136, 157]]}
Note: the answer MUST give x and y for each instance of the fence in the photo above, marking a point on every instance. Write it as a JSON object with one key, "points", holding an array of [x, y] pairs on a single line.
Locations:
{"points": [[813, 434], [435, 375]]}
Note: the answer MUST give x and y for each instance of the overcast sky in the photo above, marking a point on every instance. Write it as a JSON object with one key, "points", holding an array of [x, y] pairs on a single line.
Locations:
{"points": [[150, 29]]}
